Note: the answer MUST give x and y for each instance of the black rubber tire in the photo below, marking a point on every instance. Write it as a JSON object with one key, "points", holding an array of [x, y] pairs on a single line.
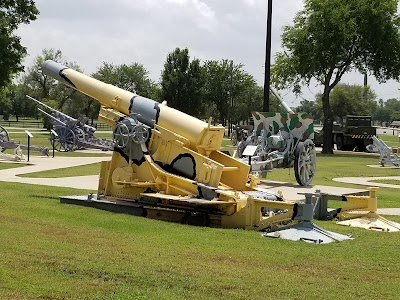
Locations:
{"points": [[340, 143]]}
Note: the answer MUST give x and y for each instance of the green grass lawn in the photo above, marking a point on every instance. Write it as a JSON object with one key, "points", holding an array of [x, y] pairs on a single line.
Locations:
{"points": [[55, 251], [5, 165], [390, 140], [91, 169]]}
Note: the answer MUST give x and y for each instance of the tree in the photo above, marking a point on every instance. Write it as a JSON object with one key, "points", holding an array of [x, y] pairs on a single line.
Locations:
{"points": [[21, 107], [331, 37], [311, 107], [133, 77], [346, 99], [12, 14], [382, 115], [37, 84], [393, 106], [44, 88], [231, 90], [5, 102], [182, 82]]}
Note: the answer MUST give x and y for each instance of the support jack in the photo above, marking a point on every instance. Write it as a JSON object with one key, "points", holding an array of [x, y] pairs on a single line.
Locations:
{"points": [[370, 220], [306, 231]]}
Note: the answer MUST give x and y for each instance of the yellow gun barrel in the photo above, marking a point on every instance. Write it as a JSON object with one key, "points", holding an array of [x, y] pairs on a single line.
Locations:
{"points": [[147, 111]]}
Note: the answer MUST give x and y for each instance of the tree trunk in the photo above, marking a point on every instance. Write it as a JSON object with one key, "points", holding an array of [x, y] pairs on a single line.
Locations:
{"points": [[328, 123]]}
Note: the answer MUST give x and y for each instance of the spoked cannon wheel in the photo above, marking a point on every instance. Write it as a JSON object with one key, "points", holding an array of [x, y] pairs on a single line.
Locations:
{"points": [[79, 138], [234, 138], [4, 136], [140, 134], [65, 141], [305, 162], [121, 135]]}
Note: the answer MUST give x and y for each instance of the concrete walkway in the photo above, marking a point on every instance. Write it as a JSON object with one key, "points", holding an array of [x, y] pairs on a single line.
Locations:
{"points": [[42, 163], [367, 181]]}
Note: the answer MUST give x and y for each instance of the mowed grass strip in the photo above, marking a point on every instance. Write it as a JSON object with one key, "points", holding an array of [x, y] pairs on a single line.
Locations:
{"points": [[90, 169], [56, 251], [390, 140], [5, 165]]}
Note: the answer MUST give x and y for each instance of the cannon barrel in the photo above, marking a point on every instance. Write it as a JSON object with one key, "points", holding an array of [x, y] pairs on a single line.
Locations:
{"points": [[146, 110], [56, 112], [59, 122], [283, 103]]}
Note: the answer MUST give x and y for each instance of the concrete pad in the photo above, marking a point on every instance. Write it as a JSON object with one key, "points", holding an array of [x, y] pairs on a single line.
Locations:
{"points": [[389, 211], [367, 181], [291, 190]]}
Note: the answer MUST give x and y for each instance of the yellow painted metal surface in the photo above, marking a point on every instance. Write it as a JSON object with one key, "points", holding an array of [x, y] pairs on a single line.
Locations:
{"points": [[362, 213], [174, 134]]}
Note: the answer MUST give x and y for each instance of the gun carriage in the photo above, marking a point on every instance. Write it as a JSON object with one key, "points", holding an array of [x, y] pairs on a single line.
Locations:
{"points": [[6, 143], [282, 140], [72, 134], [164, 170], [386, 153]]}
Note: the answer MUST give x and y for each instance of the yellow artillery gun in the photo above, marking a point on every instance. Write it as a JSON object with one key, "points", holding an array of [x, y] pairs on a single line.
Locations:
{"points": [[168, 165]]}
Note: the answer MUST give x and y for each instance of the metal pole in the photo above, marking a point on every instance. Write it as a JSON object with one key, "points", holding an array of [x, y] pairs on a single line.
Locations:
{"points": [[53, 146], [29, 144], [54, 135], [267, 66], [29, 141]]}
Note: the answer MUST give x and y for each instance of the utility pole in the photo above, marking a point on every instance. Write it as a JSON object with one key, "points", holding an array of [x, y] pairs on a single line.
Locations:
{"points": [[267, 66]]}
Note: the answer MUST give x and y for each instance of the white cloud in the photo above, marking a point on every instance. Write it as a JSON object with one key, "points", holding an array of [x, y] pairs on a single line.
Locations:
{"points": [[125, 31]]}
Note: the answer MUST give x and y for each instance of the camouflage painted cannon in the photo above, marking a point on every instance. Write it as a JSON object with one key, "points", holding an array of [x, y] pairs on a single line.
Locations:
{"points": [[6, 143], [282, 140], [72, 134]]}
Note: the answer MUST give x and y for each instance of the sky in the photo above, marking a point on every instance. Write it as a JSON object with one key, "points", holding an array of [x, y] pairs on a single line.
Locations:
{"points": [[90, 32]]}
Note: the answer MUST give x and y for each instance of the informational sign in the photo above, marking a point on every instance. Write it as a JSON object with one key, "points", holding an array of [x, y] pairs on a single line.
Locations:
{"points": [[29, 134], [53, 132], [249, 150]]}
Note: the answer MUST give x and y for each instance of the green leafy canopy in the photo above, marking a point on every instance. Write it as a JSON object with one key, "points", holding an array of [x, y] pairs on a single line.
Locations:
{"points": [[331, 37], [12, 14]]}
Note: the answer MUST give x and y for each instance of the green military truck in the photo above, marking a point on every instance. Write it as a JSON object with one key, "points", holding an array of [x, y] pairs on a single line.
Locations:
{"points": [[355, 133]]}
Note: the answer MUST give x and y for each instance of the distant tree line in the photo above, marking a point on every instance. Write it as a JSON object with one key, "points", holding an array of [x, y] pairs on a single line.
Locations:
{"points": [[346, 99], [221, 89], [328, 38]]}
